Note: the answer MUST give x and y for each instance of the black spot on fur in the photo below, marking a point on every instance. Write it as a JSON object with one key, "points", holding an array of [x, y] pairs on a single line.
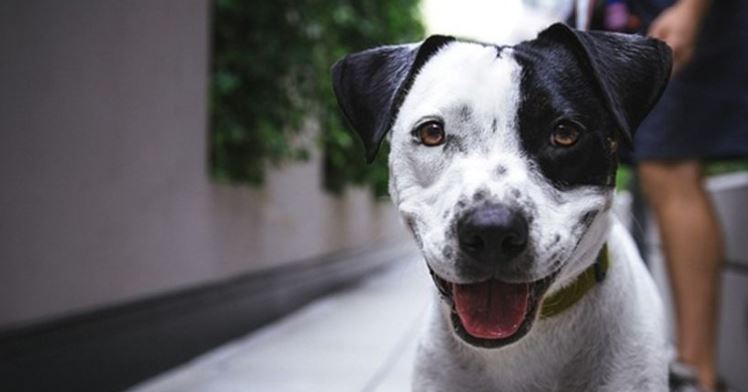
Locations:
{"points": [[500, 50], [454, 144], [587, 218], [494, 125], [465, 113], [480, 195], [515, 193], [447, 252], [500, 170]]}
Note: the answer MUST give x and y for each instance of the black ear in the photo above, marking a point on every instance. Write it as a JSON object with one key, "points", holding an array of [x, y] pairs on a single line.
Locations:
{"points": [[631, 71], [371, 85]]}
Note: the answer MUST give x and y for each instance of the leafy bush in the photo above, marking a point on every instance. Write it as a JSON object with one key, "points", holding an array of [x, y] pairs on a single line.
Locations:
{"points": [[270, 73]]}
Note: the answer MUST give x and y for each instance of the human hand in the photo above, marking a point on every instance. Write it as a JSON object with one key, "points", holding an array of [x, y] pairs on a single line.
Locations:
{"points": [[679, 26]]}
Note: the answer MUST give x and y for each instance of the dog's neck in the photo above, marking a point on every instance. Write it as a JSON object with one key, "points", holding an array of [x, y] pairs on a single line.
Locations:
{"points": [[571, 294]]}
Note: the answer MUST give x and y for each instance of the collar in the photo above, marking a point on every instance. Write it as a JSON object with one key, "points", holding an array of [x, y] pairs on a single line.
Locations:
{"points": [[571, 294]]}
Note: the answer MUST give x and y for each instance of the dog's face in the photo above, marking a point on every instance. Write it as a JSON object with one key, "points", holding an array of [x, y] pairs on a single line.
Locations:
{"points": [[503, 159]]}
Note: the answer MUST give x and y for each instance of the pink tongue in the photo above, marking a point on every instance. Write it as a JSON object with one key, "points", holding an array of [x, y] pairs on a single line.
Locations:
{"points": [[491, 310]]}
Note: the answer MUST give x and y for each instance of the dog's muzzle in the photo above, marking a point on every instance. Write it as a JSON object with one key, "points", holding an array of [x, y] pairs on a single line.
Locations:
{"points": [[491, 312]]}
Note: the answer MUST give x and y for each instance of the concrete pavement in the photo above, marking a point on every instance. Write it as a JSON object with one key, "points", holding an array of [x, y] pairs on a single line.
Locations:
{"points": [[360, 339]]}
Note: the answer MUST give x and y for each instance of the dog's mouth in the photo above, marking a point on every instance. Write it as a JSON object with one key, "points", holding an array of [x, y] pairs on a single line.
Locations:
{"points": [[492, 313]]}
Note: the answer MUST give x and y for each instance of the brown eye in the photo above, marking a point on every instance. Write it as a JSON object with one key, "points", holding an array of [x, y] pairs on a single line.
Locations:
{"points": [[565, 135], [431, 133]]}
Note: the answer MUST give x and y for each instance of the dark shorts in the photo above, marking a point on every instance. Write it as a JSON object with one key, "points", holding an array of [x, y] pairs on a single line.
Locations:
{"points": [[703, 113]]}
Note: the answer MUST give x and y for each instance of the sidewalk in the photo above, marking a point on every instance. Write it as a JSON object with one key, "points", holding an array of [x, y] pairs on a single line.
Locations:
{"points": [[361, 339]]}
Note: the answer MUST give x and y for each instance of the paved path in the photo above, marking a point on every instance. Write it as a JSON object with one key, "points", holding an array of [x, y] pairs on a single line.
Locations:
{"points": [[361, 339]]}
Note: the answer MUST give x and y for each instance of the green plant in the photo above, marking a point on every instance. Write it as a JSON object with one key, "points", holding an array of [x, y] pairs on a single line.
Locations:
{"points": [[722, 167], [270, 73]]}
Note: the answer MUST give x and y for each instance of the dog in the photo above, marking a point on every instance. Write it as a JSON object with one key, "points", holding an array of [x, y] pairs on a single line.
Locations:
{"points": [[502, 164]]}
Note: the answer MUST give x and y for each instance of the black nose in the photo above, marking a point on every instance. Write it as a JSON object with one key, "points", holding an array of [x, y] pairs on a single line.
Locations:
{"points": [[492, 233]]}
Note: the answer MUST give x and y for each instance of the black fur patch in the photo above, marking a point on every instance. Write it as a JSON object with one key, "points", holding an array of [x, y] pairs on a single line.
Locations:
{"points": [[559, 89], [604, 82]]}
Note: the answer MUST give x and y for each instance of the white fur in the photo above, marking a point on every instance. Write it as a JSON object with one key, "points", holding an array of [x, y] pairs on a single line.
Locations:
{"points": [[612, 340]]}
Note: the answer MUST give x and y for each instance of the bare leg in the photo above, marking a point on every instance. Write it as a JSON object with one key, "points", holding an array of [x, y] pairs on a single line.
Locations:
{"points": [[692, 242]]}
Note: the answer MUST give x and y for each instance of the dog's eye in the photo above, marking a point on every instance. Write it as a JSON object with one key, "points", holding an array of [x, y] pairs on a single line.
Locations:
{"points": [[565, 135], [431, 133]]}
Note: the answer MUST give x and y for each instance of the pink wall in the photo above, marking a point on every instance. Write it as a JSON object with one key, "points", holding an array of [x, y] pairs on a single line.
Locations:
{"points": [[105, 196]]}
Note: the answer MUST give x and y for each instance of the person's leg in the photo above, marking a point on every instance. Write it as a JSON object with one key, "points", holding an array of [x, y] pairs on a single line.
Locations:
{"points": [[692, 242]]}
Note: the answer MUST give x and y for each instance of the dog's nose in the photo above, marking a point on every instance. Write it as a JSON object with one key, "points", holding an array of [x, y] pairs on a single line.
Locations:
{"points": [[492, 233]]}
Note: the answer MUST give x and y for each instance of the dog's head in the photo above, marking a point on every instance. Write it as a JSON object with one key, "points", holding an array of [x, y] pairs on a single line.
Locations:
{"points": [[502, 158]]}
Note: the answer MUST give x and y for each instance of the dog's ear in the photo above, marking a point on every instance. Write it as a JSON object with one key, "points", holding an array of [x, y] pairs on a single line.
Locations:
{"points": [[631, 71], [370, 86]]}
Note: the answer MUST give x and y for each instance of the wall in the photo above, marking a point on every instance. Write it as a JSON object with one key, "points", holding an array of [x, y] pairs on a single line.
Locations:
{"points": [[105, 196]]}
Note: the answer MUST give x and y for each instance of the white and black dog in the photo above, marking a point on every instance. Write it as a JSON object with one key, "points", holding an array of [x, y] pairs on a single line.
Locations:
{"points": [[502, 163]]}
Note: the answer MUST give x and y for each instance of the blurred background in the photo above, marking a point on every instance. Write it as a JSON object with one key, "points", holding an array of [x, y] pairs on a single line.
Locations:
{"points": [[176, 175]]}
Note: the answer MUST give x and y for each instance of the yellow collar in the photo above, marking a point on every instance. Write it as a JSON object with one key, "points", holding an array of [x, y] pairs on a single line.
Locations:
{"points": [[571, 294]]}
